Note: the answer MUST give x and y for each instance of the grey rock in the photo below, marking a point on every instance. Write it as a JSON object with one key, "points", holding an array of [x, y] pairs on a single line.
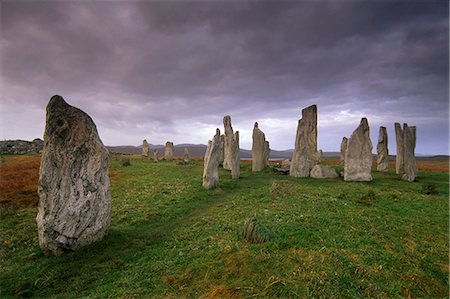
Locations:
{"points": [[74, 195], [228, 142], [399, 168], [260, 149], [155, 155], [21, 146], [323, 172], [235, 157], [186, 157], [358, 156], [168, 151], [343, 149], [409, 159], [305, 154], [211, 163], [145, 148], [382, 151], [286, 164], [222, 149]]}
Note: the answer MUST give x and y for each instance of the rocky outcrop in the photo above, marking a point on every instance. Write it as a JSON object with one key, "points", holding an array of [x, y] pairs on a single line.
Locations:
{"points": [[168, 151], [358, 156], [343, 149], [74, 196], [145, 148], [305, 154], [323, 172], [21, 146], [382, 151], [260, 149], [409, 172], [211, 163]]}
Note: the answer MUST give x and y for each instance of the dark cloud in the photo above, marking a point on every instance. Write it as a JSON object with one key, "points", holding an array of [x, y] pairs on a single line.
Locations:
{"points": [[156, 67]]}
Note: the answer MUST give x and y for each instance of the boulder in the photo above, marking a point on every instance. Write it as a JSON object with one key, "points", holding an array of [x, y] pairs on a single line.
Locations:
{"points": [[286, 164], [260, 149], [358, 156], [168, 151], [323, 172], [382, 151], [74, 195], [211, 162], [305, 154]]}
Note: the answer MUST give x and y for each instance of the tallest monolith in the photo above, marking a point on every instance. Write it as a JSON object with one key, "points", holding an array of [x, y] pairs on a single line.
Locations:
{"points": [[305, 154], [74, 197]]}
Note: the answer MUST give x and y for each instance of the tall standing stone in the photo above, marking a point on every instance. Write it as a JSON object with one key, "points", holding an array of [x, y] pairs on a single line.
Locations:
{"points": [[235, 157], [228, 142], [260, 149], [382, 151], [168, 151], [409, 159], [343, 149], [186, 157], [305, 154], [358, 156], [74, 196], [211, 162], [222, 149], [399, 155], [145, 148]]}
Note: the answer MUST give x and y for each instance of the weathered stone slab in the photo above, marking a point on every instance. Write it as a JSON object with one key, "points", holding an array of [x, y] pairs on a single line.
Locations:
{"points": [[228, 142], [168, 151], [358, 156], [155, 155], [186, 155], [211, 162], [260, 149], [343, 149], [399, 169], [74, 196], [305, 154], [235, 157], [323, 172], [286, 164], [382, 151], [145, 148], [222, 149], [409, 159]]}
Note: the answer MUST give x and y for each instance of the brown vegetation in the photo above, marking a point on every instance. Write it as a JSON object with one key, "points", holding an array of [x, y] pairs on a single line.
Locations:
{"points": [[19, 176]]}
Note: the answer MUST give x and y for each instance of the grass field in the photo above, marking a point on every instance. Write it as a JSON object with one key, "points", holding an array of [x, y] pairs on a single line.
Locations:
{"points": [[171, 238]]}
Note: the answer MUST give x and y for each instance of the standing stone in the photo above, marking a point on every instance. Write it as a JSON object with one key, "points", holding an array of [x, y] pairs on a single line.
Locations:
{"points": [[211, 162], [155, 155], [382, 151], [409, 159], [286, 164], [186, 158], [222, 149], [74, 196], [305, 154], [399, 169], [168, 151], [358, 156], [228, 142], [260, 149], [343, 149], [235, 157], [145, 148]]}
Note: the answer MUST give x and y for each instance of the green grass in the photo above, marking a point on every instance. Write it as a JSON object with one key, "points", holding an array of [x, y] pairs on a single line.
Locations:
{"points": [[171, 238]]}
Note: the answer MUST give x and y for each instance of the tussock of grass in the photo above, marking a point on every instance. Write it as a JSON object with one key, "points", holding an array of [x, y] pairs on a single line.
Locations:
{"points": [[171, 238]]}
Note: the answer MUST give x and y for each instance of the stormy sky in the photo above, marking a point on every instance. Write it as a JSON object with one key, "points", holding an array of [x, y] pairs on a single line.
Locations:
{"points": [[170, 70]]}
